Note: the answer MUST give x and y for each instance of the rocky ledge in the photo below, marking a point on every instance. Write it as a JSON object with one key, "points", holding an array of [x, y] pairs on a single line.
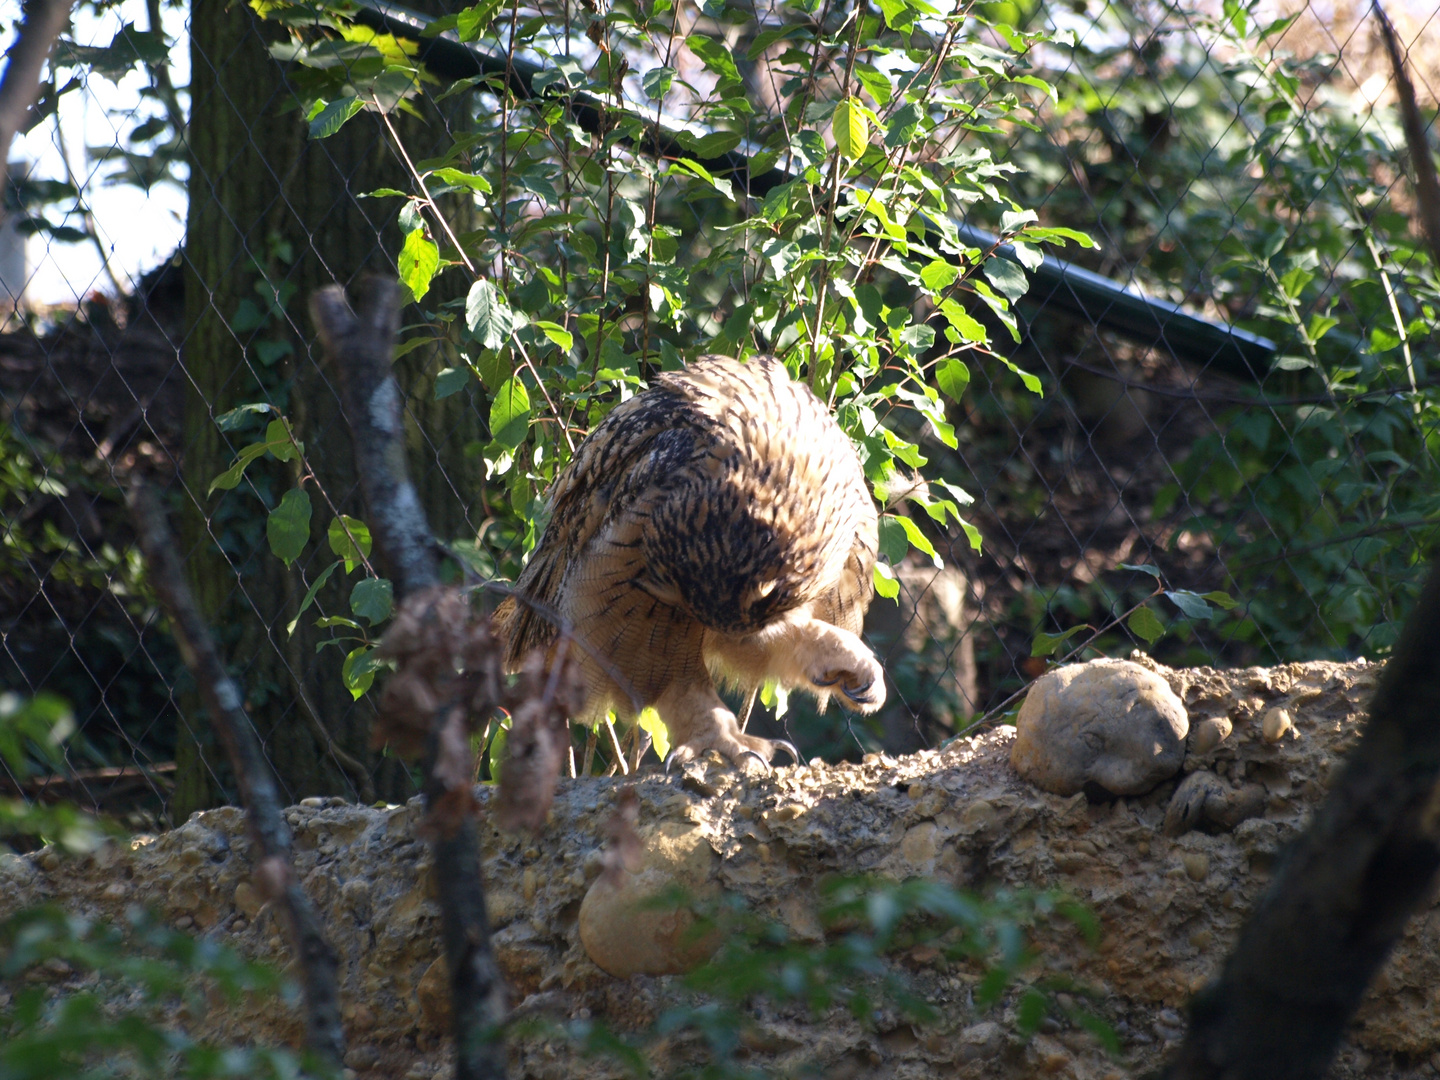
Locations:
{"points": [[1169, 897]]}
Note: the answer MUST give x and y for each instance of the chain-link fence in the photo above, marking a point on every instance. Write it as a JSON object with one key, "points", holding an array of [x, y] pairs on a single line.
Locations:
{"points": [[1231, 464]]}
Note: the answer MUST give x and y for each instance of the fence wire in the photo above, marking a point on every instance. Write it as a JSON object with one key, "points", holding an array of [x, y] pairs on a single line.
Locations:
{"points": [[1244, 163]]}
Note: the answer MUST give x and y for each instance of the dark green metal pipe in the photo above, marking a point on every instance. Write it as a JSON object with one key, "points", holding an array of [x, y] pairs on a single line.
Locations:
{"points": [[1055, 284]]}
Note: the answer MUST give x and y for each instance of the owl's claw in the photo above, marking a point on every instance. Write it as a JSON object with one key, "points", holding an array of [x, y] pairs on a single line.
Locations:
{"points": [[859, 693], [737, 753], [789, 748], [748, 753]]}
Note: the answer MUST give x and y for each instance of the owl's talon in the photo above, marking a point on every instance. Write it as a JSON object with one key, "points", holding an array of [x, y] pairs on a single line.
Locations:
{"points": [[676, 758], [789, 748], [756, 755]]}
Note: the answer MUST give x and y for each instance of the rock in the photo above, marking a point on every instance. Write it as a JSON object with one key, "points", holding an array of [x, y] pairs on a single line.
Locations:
{"points": [[1187, 805], [433, 993], [1276, 725], [1204, 799], [1197, 865], [982, 1040], [1209, 733], [248, 900], [622, 936], [362, 1057], [1110, 723]]}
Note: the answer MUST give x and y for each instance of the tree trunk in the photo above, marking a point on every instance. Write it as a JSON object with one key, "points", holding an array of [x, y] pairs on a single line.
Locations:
{"points": [[267, 205]]}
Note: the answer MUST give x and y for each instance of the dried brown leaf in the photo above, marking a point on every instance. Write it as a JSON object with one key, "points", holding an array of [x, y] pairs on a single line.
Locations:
{"points": [[444, 653], [549, 691], [272, 877], [623, 850]]}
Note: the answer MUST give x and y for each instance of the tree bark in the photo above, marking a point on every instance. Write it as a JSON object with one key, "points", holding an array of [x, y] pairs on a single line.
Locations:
{"points": [[269, 205]]}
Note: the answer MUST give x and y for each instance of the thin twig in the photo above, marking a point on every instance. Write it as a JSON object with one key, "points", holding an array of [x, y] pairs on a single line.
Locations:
{"points": [[1427, 185], [361, 349], [317, 961]]}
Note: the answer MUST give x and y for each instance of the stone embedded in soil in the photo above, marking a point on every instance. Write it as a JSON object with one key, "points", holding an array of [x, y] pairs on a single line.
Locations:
{"points": [[1108, 723], [623, 930]]}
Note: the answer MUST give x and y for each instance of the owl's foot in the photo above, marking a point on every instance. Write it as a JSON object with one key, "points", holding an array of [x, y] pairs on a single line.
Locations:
{"points": [[698, 721], [850, 671], [742, 750]]}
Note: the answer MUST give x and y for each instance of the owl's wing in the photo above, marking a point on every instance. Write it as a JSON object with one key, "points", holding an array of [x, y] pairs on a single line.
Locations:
{"points": [[610, 471]]}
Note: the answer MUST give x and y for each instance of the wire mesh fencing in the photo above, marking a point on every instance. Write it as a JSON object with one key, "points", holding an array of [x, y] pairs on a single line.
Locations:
{"points": [[1209, 436]]}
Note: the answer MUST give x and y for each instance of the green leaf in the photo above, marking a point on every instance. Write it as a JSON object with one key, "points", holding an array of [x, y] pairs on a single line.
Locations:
{"points": [[280, 440], [919, 540], [1191, 603], [917, 336], [488, 316], [238, 417], [1222, 600], [774, 696], [372, 600], [939, 275], [231, 476], [850, 128], [350, 539], [1032, 382], [656, 84], [451, 380], [688, 166], [419, 259], [1046, 644], [473, 181], [288, 526], [310, 594], [902, 126], [1294, 282], [1320, 325], [358, 671], [556, 333], [897, 13], [886, 583], [1143, 568], [875, 81], [650, 723], [1144, 625], [952, 377], [510, 414], [894, 542], [966, 325], [714, 56], [330, 117], [1007, 277], [473, 21]]}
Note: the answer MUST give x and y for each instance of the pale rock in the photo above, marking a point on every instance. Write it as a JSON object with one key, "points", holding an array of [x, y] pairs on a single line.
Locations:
{"points": [[248, 900], [623, 937], [1209, 733], [1276, 724], [433, 993], [919, 846], [1111, 723]]}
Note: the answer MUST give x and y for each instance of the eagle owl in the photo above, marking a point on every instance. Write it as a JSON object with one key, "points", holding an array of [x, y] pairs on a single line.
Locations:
{"points": [[715, 526]]}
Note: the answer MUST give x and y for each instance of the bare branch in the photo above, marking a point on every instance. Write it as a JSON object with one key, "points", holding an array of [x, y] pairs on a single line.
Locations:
{"points": [[361, 346], [1427, 186], [269, 833], [20, 87]]}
